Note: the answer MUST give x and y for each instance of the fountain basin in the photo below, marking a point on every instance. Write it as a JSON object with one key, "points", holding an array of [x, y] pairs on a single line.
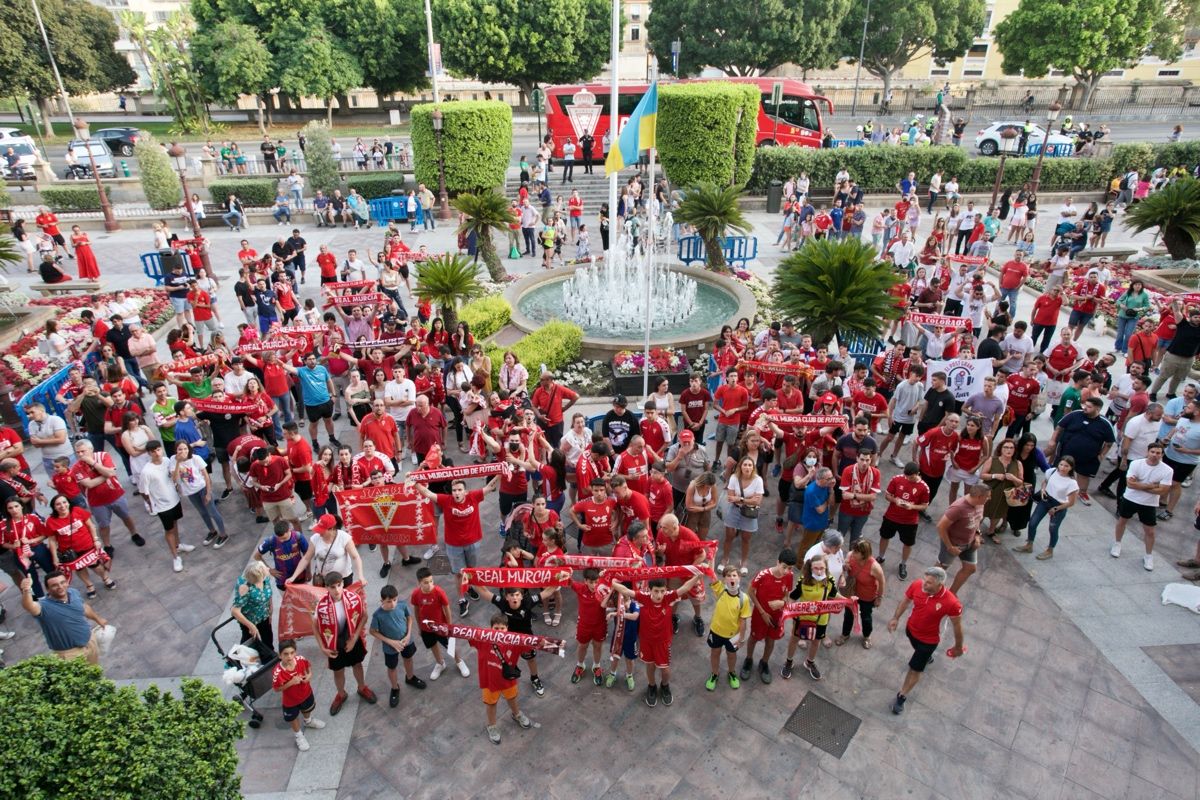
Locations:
{"points": [[537, 298]]}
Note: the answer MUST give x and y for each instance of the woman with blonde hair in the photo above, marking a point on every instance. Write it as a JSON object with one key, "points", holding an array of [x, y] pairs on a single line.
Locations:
{"points": [[252, 606]]}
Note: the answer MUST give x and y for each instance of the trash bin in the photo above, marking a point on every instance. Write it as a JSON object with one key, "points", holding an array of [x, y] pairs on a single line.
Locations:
{"points": [[774, 196], [169, 259]]}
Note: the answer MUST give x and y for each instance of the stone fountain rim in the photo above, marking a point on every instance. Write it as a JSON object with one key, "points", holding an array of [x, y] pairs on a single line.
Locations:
{"points": [[596, 347]]}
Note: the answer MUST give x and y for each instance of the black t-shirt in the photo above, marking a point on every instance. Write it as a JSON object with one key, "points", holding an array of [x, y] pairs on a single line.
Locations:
{"points": [[618, 429], [520, 619], [225, 427], [990, 348], [177, 285], [937, 405], [1187, 340], [283, 250], [244, 293], [268, 151], [119, 339], [93, 410], [297, 244]]}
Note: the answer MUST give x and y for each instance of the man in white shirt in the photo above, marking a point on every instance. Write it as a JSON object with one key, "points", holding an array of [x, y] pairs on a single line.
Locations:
{"points": [[903, 251], [951, 191], [1018, 346], [935, 188], [400, 395], [158, 489], [1146, 483], [1137, 435], [237, 378], [966, 224], [569, 161], [1067, 212], [49, 433]]}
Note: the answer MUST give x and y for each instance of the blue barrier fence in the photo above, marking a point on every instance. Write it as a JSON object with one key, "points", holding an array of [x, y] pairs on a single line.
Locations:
{"points": [[45, 393], [386, 209], [738, 249], [152, 266], [848, 143]]}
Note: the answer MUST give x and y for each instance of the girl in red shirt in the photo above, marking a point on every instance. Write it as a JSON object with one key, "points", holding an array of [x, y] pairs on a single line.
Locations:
{"points": [[71, 534], [322, 488], [973, 447]]}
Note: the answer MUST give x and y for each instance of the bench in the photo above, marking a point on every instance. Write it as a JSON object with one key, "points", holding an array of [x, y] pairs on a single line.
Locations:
{"points": [[1115, 253], [1157, 250], [66, 287]]}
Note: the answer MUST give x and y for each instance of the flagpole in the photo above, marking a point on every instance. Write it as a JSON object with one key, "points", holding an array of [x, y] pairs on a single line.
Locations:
{"points": [[649, 270], [613, 119]]}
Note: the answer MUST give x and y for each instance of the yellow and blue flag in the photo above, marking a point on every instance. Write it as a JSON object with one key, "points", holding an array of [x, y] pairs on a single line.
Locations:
{"points": [[637, 135]]}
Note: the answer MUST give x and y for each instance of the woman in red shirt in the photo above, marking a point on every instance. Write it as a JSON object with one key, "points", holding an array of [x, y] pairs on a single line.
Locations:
{"points": [[24, 534], [462, 341], [437, 336], [322, 488], [1165, 331], [72, 535], [973, 447], [262, 421], [1142, 345], [1045, 318]]}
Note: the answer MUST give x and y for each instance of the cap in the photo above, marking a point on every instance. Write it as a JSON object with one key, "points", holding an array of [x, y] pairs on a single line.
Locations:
{"points": [[829, 398], [687, 436], [620, 400], [326, 522]]}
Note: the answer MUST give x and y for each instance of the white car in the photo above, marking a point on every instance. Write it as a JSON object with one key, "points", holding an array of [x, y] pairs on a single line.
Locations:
{"points": [[987, 142]]}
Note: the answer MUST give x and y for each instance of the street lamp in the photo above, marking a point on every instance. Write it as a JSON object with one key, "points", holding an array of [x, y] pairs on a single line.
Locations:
{"points": [[1008, 146], [443, 198], [81, 132], [676, 46], [179, 155], [1051, 116]]}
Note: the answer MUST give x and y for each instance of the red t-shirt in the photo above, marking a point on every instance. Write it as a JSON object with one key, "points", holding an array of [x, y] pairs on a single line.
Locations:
{"points": [[654, 624], [867, 483], [1091, 292], [72, 531], [48, 223], [381, 431], [297, 693], [875, 404], [660, 497], [636, 470], [429, 605], [927, 612], [934, 453], [491, 675], [597, 521], [425, 431], [1045, 310], [693, 405], [107, 492], [635, 506], [1021, 391], [682, 551], [591, 609], [654, 434], [275, 379], [575, 206], [968, 454], [1060, 358], [790, 401], [328, 264], [461, 521], [586, 471], [270, 472], [768, 588], [550, 403], [1013, 274], [65, 484], [902, 488], [299, 454], [515, 481], [731, 397], [9, 437], [202, 312], [1166, 326]]}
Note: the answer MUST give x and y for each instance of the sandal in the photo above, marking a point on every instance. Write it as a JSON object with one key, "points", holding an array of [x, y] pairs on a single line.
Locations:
{"points": [[548, 618], [91, 593], [557, 619], [841, 640]]}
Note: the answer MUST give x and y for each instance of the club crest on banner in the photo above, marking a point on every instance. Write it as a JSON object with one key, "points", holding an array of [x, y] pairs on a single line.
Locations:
{"points": [[387, 515], [584, 113]]}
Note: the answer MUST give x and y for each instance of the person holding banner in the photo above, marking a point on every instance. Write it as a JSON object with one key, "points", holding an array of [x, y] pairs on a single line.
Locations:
{"points": [[340, 623], [931, 602], [462, 524], [654, 632], [816, 585], [72, 538], [517, 607]]}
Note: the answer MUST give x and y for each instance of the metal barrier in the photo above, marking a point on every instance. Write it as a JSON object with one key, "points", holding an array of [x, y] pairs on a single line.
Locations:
{"points": [[737, 249], [848, 143], [152, 266], [388, 209], [45, 393]]}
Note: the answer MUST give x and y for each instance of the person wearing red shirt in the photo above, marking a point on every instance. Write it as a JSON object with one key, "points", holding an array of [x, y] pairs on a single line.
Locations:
{"points": [[593, 464], [654, 633], [591, 626], [1044, 319], [202, 312], [1141, 345], [12, 446], [327, 261], [97, 474], [790, 398], [1012, 277], [47, 221], [931, 602], [272, 474], [596, 519], [462, 525], [869, 403], [655, 431], [71, 534], [426, 427], [694, 403], [300, 461], [380, 428], [1063, 359], [1084, 298], [634, 465], [247, 255], [430, 603], [931, 451], [907, 496], [631, 505], [659, 494], [1023, 389], [292, 677], [491, 661], [681, 547], [768, 594], [731, 400], [822, 222], [860, 487], [548, 404]]}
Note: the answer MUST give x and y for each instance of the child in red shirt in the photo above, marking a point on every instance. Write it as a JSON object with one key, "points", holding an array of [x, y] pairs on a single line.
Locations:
{"points": [[491, 662], [65, 483], [293, 678], [591, 628], [654, 633], [429, 602]]}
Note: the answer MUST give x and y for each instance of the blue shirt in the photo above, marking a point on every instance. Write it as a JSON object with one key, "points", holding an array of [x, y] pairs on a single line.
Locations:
{"points": [[815, 495], [1187, 434], [186, 431], [392, 624], [63, 624], [314, 385], [1172, 408], [287, 553], [836, 214]]}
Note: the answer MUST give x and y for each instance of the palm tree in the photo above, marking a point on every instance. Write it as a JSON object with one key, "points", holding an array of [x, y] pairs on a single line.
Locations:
{"points": [[447, 281], [485, 212], [836, 289], [1175, 211], [713, 211]]}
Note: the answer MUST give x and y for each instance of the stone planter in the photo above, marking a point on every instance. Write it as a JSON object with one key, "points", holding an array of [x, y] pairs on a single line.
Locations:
{"points": [[631, 385]]}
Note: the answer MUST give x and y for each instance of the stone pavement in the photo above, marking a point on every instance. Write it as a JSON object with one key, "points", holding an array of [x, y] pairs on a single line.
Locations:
{"points": [[1068, 689]]}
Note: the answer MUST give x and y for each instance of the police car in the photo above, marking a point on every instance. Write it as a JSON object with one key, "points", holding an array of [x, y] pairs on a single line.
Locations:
{"points": [[987, 142]]}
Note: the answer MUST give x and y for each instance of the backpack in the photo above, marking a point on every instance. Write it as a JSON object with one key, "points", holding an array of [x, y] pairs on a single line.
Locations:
{"points": [[1124, 185]]}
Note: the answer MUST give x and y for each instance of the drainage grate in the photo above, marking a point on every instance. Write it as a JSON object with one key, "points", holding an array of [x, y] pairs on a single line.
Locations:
{"points": [[821, 723], [439, 564]]}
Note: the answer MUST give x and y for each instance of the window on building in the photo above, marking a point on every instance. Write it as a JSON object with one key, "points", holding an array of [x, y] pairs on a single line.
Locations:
{"points": [[635, 34], [972, 73], [354, 101], [936, 71], [635, 12], [1168, 73], [978, 51], [474, 95], [987, 23], [500, 97], [1114, 73], [161, 16]]}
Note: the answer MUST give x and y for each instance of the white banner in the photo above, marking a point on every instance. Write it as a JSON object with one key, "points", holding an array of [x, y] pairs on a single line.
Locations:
{"points": [[964, 377]]}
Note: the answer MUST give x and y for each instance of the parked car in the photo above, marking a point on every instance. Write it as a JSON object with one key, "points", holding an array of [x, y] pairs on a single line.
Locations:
{"points": [[26, 152], [100, 154], [120, 141], [987, 142]]}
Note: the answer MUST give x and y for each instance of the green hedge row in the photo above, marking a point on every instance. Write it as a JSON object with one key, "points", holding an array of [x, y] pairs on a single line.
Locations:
{"points": [[1144, 157], [476, 144], [375, 184], [706, 132], [251, 191], [83, 198], [486, 315], [556, 344]]}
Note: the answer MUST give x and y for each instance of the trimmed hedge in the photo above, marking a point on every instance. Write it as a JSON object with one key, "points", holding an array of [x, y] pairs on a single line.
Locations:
{"points": [[318, 157], [252, 191], [980, 173], [83, 198], [556, 344], [476, 142], [376, 184], [160, 183], [699, 136], [1144, 157], [486, 316]]}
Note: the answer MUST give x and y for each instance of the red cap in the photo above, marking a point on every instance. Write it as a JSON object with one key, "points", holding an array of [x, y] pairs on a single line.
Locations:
{"points": [[327, 522], [829, 398], [686, 435]]}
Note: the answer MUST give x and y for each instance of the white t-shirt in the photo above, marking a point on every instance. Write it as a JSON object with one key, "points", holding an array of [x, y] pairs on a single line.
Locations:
{"points": [[902, 252], [1018, 347], [1141, 432], [1119, 402], [45, 429], [191, 477], [1059, 264], [1059, 486], [155, 482], [935, 183], [400, 391], [968, 220], [333, 557], [755, 487], [951, 187], [236, 384], [1139, 470], [1067, 211], [834, 563]]}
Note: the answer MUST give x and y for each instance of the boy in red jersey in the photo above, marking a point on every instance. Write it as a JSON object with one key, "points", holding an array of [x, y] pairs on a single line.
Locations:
{"points": [[430, 602], [492, 659], [654, 633], [591, 628], [596, 518], [768, 594], [907, 496], [293, 678]]}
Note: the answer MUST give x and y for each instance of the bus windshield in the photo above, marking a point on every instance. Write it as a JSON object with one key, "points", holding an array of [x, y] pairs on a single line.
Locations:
{"points": [[798, 111]]}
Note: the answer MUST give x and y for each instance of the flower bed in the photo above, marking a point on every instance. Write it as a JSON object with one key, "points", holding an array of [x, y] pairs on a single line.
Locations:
{"points": [[22, 366], [665, 362]]}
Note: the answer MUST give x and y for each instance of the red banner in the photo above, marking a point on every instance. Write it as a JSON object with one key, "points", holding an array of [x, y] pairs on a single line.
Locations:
{"points": [[356, 299], [581, 561], [310, 330], [276, 344], [458, 473], [298, 604], [225, 406], [185, 365], [520, 577], [398, 341], [491, 636], [774, 368], [974, 261], [817, 607], [938, 320], [806, 420], [390, 514], [89, 559], [338, 286], [1188, 298]]}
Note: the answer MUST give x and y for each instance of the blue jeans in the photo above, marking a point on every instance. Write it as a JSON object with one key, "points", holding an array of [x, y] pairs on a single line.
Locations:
{"points": [[1011, 296], [1125, 329], [1040, 510], [282, 215], [851, 524], [298, 196], [234, 219], [208, 512], [287, 408]]}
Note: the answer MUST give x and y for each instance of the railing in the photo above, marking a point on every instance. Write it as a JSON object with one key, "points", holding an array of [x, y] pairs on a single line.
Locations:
{"points": [[255, 165], [45, 393]]}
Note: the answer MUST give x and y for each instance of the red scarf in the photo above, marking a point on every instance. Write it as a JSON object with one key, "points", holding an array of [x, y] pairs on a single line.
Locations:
{"points": [[591, 562], [519, 577], [225, 406], [937, 320], [356, 299], [275, 344], [456, 473], [327, 618], [337, 286], [186, 364], [492, 636], [808, 608], [806, 420], [88, 559], [773, 368]]}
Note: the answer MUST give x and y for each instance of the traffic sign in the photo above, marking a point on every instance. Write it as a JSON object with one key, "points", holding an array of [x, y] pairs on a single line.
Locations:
{"points": [[777, 93], [537, 100]]}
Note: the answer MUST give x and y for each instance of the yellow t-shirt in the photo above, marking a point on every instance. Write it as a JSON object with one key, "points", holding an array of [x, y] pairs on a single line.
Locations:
{"points": [[729, 610]]}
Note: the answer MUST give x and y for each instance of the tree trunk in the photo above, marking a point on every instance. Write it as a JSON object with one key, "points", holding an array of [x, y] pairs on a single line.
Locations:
{"points": [[344, 105], [1178, 243], [47, 126], [1089, 90], [329, 111], [258, 106], [449, 315], [491, 259], [715, 254]]}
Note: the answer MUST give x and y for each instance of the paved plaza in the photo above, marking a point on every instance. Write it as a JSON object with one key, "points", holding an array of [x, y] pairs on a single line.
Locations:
{"points": [[1078, 682]]}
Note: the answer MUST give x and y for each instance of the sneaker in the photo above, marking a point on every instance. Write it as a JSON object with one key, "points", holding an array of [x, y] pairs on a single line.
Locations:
{"points": [[414, 461], [471, 593], [385, 569], [1187, 481], [629, 684], [577, 675], [522, 720], [438, 669], [1109, 493], [786, 672], [366, 694], [314, 723], [463, 669], [1115, 550], [609, 680], [776, 470], [493, 733], [428, 554], [880, 561], [711, 683], [1165, 515], [597, 676], [226, 493], [1148, 562], [210, 538], [220, 542], [815, 673], [393, 698], [764, 672], [1045, 555], [301, 742], [539, 688], [746, 670], [743, 570], [902, 570], [1085, 498], [409, 561], [698, 625], [674, 624], [1025, 548], [896, 460], [898, 704], [925, 516], [463, 607], [185, 548], [415, 682], [177, 564], [664, 692], [6, 635], [652, 695], [339, 700]]}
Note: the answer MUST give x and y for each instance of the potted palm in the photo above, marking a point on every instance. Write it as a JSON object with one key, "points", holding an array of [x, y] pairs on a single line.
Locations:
{"points": [[448, 281], [484, 213], [713, 211], [1175, 211]]}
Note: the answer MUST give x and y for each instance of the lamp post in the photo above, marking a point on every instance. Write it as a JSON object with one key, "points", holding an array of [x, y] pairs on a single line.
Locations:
{"points": [[1051, 116], [676, 46], [179, 155], [862, 49], [443, 197], [1008, 146], [110, 222]]}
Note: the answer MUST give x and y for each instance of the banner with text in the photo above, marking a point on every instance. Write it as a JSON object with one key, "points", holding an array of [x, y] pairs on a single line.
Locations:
{"points": [[389, 514], [964, 377]]}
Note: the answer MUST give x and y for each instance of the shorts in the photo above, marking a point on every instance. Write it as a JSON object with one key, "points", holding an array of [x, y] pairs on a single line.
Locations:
{"points": [[1179, 472], [728, 434], [902, 427], [277, 510], [908, 532], [180, 304], [922, 652], [1088, 466], [170, 518], [1127, 509], [351, 659], [328, 279], [222, 455], [103, 514], [304, 490], [968, 556], [656, 653], [1081, 318], [795, 511], [528, 655], [430, 639], [466, 556], [210, 325], [306, 708], [492, 696], [392, 660], [785, 490], [818, 633], [319, 412], [591, 633], [716, 642], [956, 475], [1163, 344], [760, 629]]}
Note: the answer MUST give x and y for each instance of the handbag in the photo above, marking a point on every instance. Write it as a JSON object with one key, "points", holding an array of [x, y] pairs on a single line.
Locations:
{"points": [[747, 512], [510, 672], [1018, 496], [848, 581], [318, 578]]}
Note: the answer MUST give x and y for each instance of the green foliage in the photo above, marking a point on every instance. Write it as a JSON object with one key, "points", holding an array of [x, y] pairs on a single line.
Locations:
{"points": [[311, 63], [81, 198], [485, 212], [10, 252], [1175, 211], [486, 316], [979, 174], [448, 281], [1139, 156], [166, 51], [523, 43], [770, 33], [700, 136], [556, 344], [318, 156], [375, 184], [232, 60], [713, 211], [159, 180], [835, 288], [251, 191], [72, 734], [5, 197], [476, 144]]}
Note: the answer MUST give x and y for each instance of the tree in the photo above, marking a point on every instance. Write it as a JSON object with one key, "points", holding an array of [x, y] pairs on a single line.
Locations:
{"points": [[944, 29], [448, 281], [769, 34], [835, 289], [318, 157], [82, 37], [310, 64], [1104, 35], [486, 212], [1175, 211], [232, 61], [523, 43], [167, 55], [82, 737], [713, 211], [159, 180]]}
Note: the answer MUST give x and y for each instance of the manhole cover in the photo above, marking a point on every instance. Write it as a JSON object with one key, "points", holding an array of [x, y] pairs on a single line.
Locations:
{"points": [[439, 564], [821, 723]]}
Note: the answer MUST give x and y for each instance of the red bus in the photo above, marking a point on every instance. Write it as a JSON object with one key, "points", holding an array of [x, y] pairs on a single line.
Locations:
{"points": [[797, 120]]}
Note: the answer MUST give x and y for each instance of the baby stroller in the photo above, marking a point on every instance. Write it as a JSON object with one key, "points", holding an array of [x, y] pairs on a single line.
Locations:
{"points": [[255, 680]]}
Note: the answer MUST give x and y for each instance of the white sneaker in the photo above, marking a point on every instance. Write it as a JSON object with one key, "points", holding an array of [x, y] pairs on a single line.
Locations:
{"points": [[301, 742], [466, 672], [414, 458], [896, 460], [177, 564], [438, 669], [1115, 550], [6, 635], [1148, 562], [450, 647], [428, 554], [185, 548], [314, 723]]}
